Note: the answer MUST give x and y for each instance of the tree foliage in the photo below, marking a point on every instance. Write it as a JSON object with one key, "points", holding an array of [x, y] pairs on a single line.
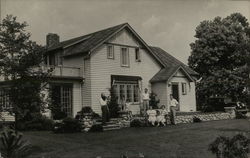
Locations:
{"points": [[220, 54], [20, 60]]}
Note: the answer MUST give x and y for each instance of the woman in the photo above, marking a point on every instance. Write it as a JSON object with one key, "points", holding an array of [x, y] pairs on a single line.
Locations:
{"points": [[104, 107]]}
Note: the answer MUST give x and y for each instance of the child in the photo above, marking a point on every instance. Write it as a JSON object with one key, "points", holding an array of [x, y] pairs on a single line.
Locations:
{"points": [[161, 116], [126, 108], [151, 116]]}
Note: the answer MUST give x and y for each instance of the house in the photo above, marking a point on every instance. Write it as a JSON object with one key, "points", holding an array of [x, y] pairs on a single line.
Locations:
{"points": [[117, 57]]}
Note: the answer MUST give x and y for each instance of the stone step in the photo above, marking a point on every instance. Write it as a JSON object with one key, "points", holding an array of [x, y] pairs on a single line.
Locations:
{"points": [[111, 127]]}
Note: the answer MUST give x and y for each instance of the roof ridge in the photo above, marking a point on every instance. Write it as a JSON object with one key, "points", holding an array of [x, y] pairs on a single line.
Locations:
{"points": [[94, 32]]}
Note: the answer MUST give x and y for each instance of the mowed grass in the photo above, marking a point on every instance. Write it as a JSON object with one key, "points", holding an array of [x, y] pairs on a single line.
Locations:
{"points": [[179, 141]]}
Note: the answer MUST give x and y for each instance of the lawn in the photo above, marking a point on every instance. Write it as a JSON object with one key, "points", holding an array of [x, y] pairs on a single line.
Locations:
{"points": [[179, 141]]}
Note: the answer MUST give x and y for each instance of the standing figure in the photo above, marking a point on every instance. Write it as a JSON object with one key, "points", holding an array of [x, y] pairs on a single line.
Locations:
{"points": [[122, 103], [145, 99], [104, 107], [173, 107]]}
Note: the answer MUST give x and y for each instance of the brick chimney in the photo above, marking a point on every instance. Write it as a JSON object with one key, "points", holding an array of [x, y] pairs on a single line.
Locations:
{"points": [[52, 39]]}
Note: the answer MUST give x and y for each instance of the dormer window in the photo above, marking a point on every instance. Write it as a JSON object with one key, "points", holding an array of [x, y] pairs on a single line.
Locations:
{"points": [[110, 51], [137, 55]]}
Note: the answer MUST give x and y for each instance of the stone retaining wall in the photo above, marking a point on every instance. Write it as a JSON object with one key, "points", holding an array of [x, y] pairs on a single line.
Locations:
{"points": [[204, 117]]}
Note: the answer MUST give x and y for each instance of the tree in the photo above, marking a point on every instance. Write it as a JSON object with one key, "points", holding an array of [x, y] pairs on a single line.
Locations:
{"points": [[220, 54], [20, 60], [113, 104]]}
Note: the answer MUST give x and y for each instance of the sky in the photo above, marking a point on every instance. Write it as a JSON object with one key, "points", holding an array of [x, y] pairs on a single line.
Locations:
{"points": [[169, 24]]}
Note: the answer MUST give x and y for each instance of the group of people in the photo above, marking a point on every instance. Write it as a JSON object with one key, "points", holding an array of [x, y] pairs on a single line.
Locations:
{"points": [[155, 116]]}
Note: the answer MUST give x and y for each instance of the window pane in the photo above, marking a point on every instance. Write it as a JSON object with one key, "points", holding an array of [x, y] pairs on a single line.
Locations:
{"points": [[137, 54], [110, 50], [124, 56], [122, 91], [136, 93], [129, 93]]}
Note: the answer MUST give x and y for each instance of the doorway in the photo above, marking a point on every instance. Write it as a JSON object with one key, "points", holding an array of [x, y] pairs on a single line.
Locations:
{"points": [[175, 91]]}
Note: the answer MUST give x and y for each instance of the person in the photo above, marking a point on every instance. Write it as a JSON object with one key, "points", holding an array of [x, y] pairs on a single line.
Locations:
{"points": [[173, 107], [104, 107], [126, 108], [122, 103], [151, 116], [161, 115], [145, 101]]}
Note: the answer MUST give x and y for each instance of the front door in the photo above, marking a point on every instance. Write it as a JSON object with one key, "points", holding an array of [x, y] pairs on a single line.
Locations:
{"points": [[175, 91]]}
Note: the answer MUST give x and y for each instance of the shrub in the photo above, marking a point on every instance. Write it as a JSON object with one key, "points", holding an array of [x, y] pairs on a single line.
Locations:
{"points": [[13, 145], [96, 128], [240, 115], [113, 104], [137, 123], [196, 119], [87, 109], [236, 147], [68, 125], [38, 122]]}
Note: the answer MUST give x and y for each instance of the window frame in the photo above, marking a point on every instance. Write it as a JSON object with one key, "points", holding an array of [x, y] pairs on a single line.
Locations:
{"points": [[137, 55], [112, 48], [184, 88], [125, 90], [5, 101], [121, 56]]}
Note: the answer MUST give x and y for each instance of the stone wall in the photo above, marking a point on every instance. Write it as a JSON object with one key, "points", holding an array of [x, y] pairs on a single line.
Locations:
{"points": [[188, 118]]}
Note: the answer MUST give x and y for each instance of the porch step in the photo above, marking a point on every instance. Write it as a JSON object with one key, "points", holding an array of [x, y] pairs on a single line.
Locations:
{"points": [[109, 127]]}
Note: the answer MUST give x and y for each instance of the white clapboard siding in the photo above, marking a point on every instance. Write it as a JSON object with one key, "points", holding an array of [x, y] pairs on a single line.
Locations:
{"points": [[102, 68], [187, 101], [77, 98], [86, 87], [6, 117], [160, 88]]}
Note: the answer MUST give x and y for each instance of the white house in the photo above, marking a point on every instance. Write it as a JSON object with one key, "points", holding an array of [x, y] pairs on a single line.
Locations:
{"points": [[88, 65]]}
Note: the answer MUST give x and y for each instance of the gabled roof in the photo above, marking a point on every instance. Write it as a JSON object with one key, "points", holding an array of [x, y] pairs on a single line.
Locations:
{"points": [[171, 66], [170, 61], [85, 43], [89, 42]]}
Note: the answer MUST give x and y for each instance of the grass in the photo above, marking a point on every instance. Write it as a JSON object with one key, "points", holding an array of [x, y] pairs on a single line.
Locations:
{"points": [[180, 141]]}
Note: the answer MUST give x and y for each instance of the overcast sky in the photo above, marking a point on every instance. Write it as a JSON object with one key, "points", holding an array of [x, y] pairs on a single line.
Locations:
{"points": [[164, 23]]}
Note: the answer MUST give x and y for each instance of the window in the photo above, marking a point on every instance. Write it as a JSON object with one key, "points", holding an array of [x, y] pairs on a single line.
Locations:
{"points": [[56, 59], [130, 91], [4, 100], [110, 52], [137, 55], [59, 59], [124, 57], [61, 96], [184, 88]]}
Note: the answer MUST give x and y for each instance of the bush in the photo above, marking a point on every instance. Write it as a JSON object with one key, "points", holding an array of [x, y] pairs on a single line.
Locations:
{"points": [[137, 123], [240, 115], [96, 128], [38, 122], [68, 125], [113, 104], [196, 119], [87, 109], [13, 145], [236, 147]]}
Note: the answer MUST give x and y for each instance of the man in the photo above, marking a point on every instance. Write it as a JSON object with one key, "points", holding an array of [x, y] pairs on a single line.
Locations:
{"points": [[173, 107], [145, 99], [104, 107]]}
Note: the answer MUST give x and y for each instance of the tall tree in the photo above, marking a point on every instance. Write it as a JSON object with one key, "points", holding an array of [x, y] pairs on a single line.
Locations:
{"points": [[220, 54], [20, 60]]}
